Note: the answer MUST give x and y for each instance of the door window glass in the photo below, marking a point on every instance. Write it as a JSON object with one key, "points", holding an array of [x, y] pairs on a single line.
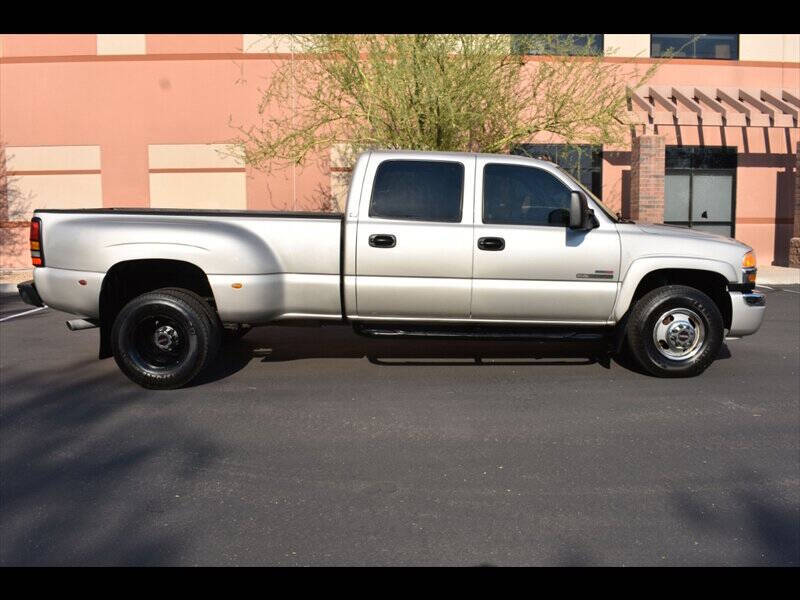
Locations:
{"points": [[517, 195]]}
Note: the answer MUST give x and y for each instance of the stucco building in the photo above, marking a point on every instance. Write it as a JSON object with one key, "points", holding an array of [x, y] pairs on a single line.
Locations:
{"points": [[143, 120]]}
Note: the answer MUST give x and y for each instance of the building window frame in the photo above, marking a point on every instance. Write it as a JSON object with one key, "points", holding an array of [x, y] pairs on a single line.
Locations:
{"points": [[735, 46]]}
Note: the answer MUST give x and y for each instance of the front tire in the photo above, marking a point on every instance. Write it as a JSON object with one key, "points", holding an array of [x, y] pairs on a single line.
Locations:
{"points": [[163, 339], [675, 331]]}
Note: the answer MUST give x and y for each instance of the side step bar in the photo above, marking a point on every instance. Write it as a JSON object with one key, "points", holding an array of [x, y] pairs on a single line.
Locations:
{"points": [[484, 333]]}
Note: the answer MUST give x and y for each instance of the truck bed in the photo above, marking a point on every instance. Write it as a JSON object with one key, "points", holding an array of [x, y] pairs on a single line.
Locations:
{"points": [[288, 263]]}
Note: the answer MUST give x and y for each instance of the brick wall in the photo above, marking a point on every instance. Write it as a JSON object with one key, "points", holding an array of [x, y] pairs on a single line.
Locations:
{"points": [[794, 243], [647, 178]]}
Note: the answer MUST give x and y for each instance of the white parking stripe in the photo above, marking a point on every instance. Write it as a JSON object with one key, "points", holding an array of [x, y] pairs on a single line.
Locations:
{"points": [[22, 314]]}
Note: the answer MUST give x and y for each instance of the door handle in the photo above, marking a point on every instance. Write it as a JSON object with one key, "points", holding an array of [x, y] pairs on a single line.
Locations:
{"points": [[382, 240], [491, 243]]}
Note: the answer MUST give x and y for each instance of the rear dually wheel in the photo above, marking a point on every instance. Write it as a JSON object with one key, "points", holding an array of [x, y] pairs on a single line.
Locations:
{"points": [[165, 338]]}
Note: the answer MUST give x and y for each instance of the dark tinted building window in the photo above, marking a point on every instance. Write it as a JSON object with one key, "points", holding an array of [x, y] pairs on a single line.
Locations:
{"points": [[706, 45], [582, 161], [419, 190], [557, 44], [520, 195]]}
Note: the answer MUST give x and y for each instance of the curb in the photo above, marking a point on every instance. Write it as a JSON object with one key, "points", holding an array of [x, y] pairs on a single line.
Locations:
{"points": [[8, 288]]}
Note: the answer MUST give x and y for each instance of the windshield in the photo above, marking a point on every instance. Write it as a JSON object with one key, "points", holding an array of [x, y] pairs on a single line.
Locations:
{"points": [[609, 213]]}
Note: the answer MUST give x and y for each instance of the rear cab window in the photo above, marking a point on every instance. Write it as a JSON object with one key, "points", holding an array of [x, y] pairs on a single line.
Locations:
{"points": [[418, 190]]}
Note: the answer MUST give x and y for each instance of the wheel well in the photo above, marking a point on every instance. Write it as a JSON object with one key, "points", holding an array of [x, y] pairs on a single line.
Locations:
{"points": [[714, 285], [128, 279]]}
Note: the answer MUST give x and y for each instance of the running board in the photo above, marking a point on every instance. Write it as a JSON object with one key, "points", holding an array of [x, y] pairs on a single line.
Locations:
{"points": [[483, 333]]}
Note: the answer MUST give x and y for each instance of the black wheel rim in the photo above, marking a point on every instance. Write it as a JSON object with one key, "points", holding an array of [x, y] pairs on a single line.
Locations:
{"points": [[159, 342]]}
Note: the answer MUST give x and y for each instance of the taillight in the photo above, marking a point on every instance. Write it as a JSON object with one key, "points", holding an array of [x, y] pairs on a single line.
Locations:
{"points": [[37, 251]]}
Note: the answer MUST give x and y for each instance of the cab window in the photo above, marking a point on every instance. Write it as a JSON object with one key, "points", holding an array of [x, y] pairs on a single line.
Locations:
{"points": [[418, 190], [520, 195]]}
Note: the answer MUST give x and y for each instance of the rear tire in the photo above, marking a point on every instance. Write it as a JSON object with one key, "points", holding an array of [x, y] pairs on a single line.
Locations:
{"points": [[165, 338], [675, 331]]}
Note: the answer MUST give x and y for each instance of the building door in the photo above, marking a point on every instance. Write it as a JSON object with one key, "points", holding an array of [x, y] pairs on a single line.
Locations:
{"points": [[700, 188]]}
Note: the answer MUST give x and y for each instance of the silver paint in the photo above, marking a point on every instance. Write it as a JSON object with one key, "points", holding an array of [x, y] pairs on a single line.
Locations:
{"points": [[289, 267]]}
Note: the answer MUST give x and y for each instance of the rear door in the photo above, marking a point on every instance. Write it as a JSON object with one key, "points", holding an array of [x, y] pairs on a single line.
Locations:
{"points": [[529, 266], [414, 237]]}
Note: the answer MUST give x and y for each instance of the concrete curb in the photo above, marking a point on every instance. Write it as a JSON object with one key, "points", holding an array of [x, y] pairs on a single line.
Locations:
{"points": [[8, 288], [772, 275]]}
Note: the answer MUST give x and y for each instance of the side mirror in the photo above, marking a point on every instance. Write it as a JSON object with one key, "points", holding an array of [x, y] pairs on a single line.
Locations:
{"points": [[580, 215]]}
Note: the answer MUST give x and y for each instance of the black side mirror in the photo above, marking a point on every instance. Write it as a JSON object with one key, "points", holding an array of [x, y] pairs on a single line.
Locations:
{"points": [[580, 215]]}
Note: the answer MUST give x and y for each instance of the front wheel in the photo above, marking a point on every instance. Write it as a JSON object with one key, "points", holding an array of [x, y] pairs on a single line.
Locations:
{"points": [[163, 339], [675, 331]]}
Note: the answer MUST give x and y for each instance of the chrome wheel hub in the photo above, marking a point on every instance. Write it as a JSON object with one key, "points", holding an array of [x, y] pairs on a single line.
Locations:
{"points": [[679, 334], [165, 338]]}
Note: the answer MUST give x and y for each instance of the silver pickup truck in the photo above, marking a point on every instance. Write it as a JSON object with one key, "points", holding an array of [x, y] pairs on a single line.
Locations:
{"points": [[431, 244]]}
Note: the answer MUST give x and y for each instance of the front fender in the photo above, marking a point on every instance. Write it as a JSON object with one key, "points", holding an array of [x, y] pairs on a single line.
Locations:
{"points": [[640, 267]]}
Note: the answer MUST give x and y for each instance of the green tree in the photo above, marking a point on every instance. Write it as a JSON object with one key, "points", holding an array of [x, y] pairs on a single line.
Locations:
{"points": [[436, 92]]}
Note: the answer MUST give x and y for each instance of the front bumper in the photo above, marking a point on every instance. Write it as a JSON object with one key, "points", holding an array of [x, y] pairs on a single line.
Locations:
{"points": [[747, 314], [28, 293]]}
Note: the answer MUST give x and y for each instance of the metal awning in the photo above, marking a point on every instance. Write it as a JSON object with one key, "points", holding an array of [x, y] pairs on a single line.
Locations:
{"points": [[688, 105]]}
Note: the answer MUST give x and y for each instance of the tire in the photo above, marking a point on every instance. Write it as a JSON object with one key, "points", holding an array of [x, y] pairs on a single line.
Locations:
{"points": [[675, 331], [163, 339], [214, 322]]}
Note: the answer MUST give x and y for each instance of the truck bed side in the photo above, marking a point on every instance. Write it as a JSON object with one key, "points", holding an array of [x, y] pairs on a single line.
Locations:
{"points": [[287, 264]]}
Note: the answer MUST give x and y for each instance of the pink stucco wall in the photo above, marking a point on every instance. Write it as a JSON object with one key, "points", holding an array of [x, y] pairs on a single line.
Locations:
{"points": [[124, 103]]}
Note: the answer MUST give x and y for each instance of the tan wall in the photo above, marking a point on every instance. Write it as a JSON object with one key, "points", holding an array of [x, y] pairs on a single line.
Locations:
{"points": [[780, 47], [121, 43], [627, 44], [196, 176], [53, 177]]}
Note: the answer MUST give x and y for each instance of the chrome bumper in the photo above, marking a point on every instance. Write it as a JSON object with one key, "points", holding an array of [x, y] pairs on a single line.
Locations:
{"points": [[748, 312]]}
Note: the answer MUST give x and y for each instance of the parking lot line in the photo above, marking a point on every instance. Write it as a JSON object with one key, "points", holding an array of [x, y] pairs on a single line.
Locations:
{"points": [[22, 314]]}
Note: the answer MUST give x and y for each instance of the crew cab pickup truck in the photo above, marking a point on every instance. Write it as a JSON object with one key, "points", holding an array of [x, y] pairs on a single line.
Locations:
{"points": [[430, 244]]}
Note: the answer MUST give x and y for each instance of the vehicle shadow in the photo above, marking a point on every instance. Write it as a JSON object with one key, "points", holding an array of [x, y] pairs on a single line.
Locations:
{"points": [[274, 344], [72, 459]]}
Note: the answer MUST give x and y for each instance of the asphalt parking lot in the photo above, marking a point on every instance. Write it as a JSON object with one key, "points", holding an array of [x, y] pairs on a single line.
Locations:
{"points": [[318, 447]]}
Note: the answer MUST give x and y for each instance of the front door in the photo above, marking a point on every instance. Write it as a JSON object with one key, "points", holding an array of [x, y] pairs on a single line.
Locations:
{"points": [[536, 268], [414, 239]]}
